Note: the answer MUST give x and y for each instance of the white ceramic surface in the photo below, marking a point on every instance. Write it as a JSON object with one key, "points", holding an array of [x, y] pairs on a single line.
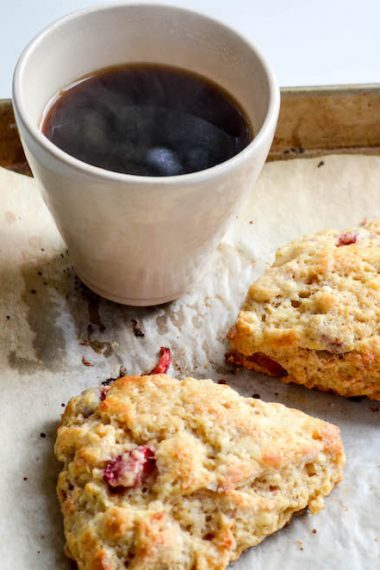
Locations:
{"points": [[141, 240]]}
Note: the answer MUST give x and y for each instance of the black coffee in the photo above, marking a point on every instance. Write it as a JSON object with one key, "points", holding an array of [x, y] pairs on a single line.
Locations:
{"points": [[148, 120]]}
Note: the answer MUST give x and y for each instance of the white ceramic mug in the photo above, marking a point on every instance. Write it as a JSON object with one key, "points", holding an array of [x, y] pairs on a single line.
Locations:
{"points": [[132, 239]]}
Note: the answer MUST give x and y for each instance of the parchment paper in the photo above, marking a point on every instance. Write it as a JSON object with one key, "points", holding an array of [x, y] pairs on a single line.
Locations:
{"points": [[52, 326]]}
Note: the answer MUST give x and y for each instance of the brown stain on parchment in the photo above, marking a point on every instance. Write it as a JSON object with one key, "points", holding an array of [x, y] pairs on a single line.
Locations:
{"points": [[51, 289], [10, 217], [42, 312]]}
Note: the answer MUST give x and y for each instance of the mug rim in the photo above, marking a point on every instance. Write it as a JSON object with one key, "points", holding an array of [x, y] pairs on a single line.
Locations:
{"points": [[109, 175]]}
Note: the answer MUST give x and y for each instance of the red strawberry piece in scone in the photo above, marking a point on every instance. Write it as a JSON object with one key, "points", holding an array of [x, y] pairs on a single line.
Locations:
{"points": [[130, 468]]}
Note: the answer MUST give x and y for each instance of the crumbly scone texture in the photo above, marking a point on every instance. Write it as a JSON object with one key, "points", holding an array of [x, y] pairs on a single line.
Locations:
{"points": [[165, 474], [313, 318]]}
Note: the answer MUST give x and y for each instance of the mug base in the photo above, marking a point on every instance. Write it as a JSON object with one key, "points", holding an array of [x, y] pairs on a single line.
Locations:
{"points": [[132, 302]]}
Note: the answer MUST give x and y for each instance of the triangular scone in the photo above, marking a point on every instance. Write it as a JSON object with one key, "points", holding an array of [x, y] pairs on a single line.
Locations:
{"points": [[167, 474], [313, 318]]}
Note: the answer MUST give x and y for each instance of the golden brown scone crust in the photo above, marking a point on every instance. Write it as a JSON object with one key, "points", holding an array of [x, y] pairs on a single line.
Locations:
{"points": [[228, 471], [313, 318]]}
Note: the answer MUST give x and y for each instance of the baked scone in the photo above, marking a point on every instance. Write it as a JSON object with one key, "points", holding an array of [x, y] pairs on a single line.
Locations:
{"points": [[167, 474], [313, 318]]}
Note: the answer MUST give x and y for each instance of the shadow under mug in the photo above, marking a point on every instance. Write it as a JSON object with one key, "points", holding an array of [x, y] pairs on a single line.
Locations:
{"points": [[132, 239]]}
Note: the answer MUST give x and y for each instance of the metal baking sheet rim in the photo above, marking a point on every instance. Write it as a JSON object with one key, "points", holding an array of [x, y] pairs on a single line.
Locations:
{"points": [[341, 119]]}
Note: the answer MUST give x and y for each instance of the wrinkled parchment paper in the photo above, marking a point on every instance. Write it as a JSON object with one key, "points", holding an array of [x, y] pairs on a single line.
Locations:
{"points": [[51, 327]]}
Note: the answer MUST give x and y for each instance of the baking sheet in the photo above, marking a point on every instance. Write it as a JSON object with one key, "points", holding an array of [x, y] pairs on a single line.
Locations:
{"points": [[58, 338]]}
